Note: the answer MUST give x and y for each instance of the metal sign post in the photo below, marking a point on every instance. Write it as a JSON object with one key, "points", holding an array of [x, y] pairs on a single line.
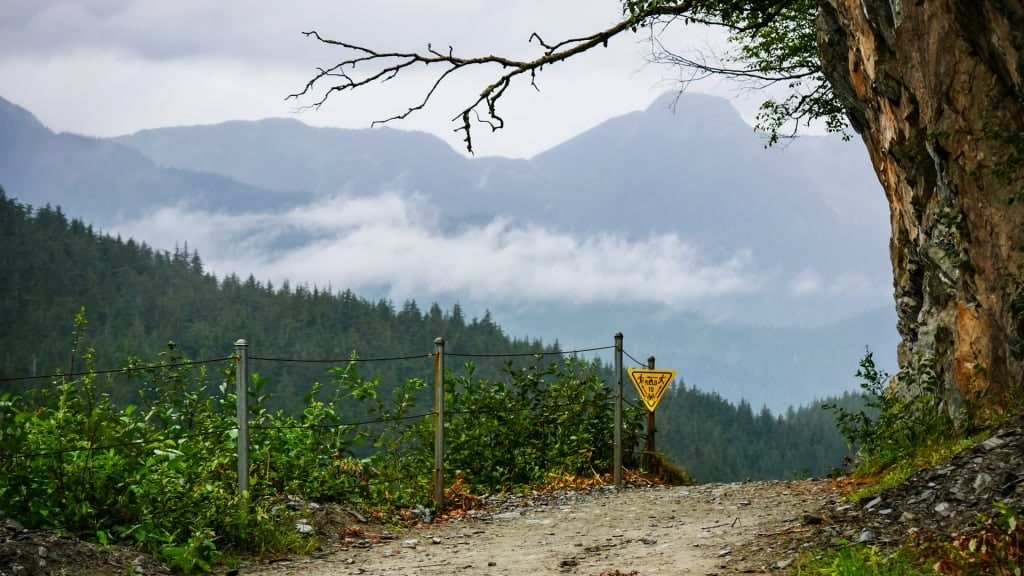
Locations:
{"points": [[242, 412]]}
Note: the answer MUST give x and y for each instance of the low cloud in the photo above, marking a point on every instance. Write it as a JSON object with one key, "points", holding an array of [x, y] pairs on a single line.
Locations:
{"points": [[808, 281], [396, 243]]}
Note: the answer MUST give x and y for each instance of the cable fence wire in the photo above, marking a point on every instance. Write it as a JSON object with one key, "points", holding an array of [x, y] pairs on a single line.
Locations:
{"points": [[638, 363], [349, 360], [133, 369], [125, 370], [527, 354], [508, 410]]}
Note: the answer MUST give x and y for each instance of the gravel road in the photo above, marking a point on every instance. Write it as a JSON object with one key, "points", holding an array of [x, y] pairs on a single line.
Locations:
{"points": [[707, 529]]}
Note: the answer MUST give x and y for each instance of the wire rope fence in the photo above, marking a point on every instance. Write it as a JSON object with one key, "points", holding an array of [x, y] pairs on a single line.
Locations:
{"points": [[355, 433]]}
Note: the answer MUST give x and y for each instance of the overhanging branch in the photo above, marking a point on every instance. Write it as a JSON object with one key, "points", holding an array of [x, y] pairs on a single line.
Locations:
{"points": [[387, 65], [349, 75]]}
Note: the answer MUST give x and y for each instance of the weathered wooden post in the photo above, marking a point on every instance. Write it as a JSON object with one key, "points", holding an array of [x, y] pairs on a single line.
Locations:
{"points": [[650, 427], [439, 423], [617, 474]]}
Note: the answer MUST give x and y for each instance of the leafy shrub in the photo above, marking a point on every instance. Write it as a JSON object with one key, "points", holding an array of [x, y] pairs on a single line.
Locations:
{"points": [[545, 420], [996, 548], [147, 454], [893, 426]]}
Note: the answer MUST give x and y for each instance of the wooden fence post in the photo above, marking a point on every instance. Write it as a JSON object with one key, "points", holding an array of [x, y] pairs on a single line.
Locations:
{"points": [[439, 423], [617, 474]]}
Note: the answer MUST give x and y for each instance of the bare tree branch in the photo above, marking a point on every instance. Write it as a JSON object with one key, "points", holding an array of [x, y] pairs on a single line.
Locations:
{"points": [[764, 75], [348, 75], [387, 65]]}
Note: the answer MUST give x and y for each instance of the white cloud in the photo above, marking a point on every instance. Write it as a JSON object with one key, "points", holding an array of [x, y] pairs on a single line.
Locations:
{"points": [[808, 281], [395, 242]]}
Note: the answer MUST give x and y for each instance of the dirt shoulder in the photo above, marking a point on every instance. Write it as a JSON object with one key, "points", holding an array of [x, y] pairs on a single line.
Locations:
{"points": [[706, 529]]}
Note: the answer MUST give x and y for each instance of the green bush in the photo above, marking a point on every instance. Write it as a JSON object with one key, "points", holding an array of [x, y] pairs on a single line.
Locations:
{"points": [[554, 420], [893, 426], [147, 454]]}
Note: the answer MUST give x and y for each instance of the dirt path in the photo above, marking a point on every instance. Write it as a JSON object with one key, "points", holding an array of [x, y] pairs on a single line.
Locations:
{"points": [[708, 529]]}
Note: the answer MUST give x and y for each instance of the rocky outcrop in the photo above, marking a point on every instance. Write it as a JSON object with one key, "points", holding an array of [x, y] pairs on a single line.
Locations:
{"points": [[936, 90]]}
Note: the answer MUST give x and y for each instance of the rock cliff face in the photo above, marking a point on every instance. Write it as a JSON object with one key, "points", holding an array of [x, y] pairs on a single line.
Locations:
{"points": [[936, 90]]}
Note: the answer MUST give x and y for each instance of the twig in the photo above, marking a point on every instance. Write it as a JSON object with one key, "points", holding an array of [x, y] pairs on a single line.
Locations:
{"points": [[781, 532], [731, 525], [355, 514]]}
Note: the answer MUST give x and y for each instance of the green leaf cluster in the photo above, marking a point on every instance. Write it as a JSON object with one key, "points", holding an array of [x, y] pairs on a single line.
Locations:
{"points": [[153, 472], [541, 422], [772, 43], [893, 428]]}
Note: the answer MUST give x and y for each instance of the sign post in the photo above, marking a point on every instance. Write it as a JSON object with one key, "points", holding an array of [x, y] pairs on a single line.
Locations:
{"points": [[651, 385], [650, 426], [617, 464]]}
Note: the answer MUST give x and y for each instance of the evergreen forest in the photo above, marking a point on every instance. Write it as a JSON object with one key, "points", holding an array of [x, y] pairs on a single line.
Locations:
{"points": [[144, 304]]}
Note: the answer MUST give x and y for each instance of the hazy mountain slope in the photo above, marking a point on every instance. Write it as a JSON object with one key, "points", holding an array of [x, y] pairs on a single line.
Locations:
{"points": [[698, 169], [810, 215], [101, 181], [689, 165], [283, 154]]}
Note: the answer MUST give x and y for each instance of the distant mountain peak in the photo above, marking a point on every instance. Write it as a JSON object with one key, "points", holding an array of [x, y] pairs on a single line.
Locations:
{"points": [[14, 117], [695, 106]]}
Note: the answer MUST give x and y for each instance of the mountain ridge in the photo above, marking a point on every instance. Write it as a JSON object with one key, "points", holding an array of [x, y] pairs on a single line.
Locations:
{"points": [[810, 236]]}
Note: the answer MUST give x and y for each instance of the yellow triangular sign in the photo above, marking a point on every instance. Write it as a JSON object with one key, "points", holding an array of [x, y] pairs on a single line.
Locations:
{"points": [[651, 384]]}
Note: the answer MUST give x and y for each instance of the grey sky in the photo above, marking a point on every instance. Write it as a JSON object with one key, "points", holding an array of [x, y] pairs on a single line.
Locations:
{"points": [[109, 67]]}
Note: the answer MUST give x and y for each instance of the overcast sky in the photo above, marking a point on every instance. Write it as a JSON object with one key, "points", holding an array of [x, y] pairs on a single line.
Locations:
{"points": [[110, 67]]}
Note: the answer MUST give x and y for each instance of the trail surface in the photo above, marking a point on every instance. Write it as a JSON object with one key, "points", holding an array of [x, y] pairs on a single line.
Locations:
{"points": [[707, 529]]}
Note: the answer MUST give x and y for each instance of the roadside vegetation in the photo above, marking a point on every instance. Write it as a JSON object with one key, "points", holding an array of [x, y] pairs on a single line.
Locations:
{"points": [[148, 454], [893, 439]]}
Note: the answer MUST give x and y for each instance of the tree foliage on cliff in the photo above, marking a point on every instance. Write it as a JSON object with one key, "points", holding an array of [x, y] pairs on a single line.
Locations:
{"points": [[771, 43]]}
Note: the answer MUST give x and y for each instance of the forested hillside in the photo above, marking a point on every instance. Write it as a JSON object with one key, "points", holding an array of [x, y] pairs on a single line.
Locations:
{"points": [[721, 442], [392, 214], [138, 299]]}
